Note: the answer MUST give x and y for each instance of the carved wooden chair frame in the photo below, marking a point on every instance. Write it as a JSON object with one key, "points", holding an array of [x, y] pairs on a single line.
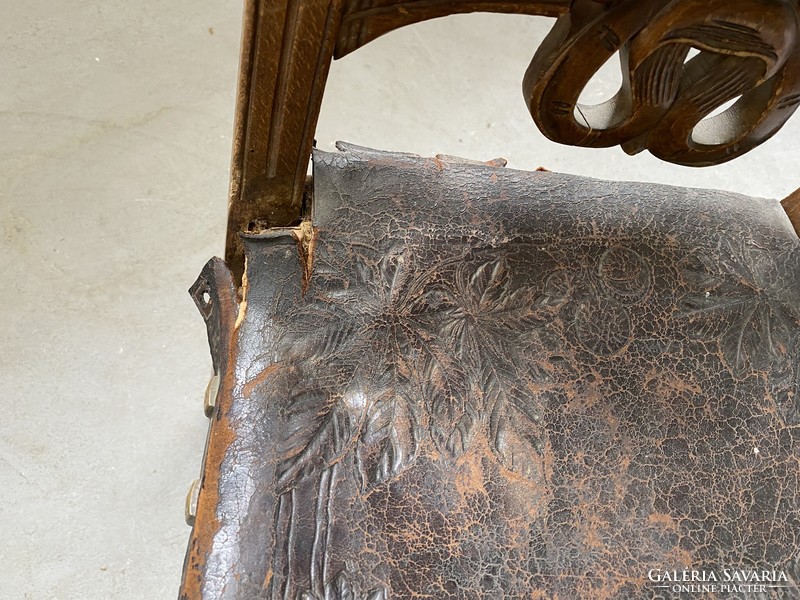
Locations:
{"points": [[288, 46], [748, 54]]}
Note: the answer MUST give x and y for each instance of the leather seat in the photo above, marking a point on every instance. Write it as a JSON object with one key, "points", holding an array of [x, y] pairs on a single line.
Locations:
{"points": [[460, 381]]}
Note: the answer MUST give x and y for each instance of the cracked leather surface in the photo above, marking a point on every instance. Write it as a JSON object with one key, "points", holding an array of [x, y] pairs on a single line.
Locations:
{"points": [[468, 382]]}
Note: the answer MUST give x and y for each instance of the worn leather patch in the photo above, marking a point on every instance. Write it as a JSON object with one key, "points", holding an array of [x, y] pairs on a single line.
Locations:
{"points": [[466, 382]]}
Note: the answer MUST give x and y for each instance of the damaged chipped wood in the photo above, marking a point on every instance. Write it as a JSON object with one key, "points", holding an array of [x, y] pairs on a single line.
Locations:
{"points": [[287, 48]]}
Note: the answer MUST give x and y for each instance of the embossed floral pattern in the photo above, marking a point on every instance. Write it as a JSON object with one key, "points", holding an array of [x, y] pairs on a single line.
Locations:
{"points": [[362, 332], [461, 349], [417, 348], [598, 296], [746, 312], [388, 355], [483, 320]]}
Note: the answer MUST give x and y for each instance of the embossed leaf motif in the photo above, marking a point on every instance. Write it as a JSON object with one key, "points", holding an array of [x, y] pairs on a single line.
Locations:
{"points": [[556, 290], [514, 435], [484, 319], [514, 425], [341, 588], [362, 332], [329, 324], [744, 312], [416, 347], [390, 436], [787, 385], [453, 419], [316, 431]]}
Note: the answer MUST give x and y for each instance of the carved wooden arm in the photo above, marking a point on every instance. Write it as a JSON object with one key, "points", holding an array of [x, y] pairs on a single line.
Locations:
{"points": [[749, 49]]}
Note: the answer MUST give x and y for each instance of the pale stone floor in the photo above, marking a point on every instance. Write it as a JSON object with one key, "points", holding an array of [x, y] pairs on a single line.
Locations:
{"points": [[116, 122]]}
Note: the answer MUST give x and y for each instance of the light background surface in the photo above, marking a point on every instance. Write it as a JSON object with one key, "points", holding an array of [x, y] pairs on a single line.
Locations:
{"points": [[116, 122]]}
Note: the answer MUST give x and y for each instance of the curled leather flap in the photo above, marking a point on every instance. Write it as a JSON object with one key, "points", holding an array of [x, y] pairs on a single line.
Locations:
{"points": [[215, 296]]}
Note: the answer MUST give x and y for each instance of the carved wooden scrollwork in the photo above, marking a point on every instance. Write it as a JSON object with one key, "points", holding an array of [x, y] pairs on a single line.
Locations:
{"points": [[748, 50]]}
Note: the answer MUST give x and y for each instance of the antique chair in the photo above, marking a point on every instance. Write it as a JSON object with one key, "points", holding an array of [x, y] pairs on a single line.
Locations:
{"points": [[436, 378]]}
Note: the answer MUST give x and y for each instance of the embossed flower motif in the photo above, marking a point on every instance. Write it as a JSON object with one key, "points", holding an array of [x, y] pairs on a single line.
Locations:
{"points": [[596, 299], [359, 342], [373, 308], [489, 340], [739, 301], [396, 349]]}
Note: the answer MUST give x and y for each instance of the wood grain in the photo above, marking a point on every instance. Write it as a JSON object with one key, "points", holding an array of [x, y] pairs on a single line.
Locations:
{"points": [[748, 50]]}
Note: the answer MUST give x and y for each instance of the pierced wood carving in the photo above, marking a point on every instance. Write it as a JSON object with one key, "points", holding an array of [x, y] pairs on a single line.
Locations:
{"points": [[748, 51]]}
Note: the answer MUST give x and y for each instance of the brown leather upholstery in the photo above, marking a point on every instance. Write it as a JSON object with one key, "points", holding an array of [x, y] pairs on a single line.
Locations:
{"points": [[463, 382]]}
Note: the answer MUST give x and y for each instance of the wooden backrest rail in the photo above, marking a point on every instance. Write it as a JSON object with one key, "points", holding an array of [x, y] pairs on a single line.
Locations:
{"points": [[749, 50]]}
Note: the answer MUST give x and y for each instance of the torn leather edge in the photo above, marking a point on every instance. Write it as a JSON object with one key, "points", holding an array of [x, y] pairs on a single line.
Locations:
{"points": [[213, 542], [304, 235], [215, 295]]}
